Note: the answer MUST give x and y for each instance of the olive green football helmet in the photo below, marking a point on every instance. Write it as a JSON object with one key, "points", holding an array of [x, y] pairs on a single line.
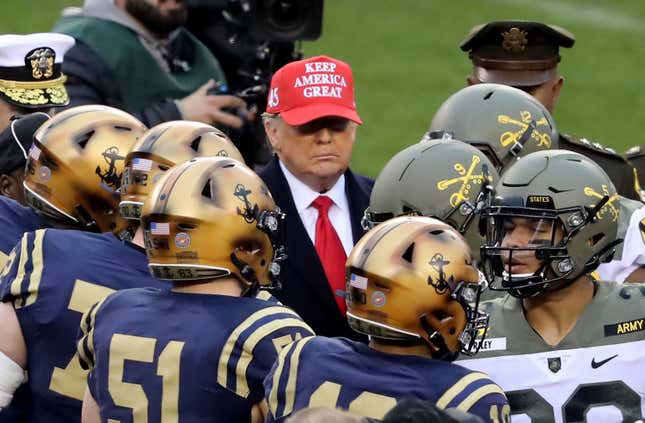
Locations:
{"points": [[554, 209], [445, 179], [503, 122]]}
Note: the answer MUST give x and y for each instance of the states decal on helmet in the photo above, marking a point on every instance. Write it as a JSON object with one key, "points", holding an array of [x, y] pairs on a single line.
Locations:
{"points": [[553, 218]]}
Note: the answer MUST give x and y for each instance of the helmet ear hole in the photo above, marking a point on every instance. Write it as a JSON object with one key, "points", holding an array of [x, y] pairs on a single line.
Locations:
{"points": [[206, 192], [440, 315], [195, 144], [596, 238], [409, 252], [83, 139], [184, 227], [407, 210]]}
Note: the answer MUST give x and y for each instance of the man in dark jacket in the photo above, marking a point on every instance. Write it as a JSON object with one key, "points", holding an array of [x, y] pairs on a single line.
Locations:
{"points": [[135, 55], [311, 124], [525, 55]]}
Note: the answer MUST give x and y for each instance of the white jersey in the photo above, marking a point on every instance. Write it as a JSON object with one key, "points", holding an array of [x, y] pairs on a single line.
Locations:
{"points": [[595, 374], [631, 254]]}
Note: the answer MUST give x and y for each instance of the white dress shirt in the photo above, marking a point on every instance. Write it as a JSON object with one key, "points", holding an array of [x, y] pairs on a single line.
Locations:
{"points": [[303, 196]]}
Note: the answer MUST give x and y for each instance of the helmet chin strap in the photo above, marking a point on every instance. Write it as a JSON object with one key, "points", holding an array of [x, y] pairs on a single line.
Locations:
{"points": [[526, 291], [247, 273], [539, 275], [505, 275], [437, 341]]}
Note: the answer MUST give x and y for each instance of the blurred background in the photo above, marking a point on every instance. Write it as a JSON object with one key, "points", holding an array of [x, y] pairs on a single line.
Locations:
{"points": [[406, 62]]}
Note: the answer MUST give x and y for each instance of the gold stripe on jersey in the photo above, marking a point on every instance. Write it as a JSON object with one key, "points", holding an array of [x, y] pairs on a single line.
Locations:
{"points": [[458, 388], [273, 395], [478, 394], [242, 384], [6, 266], [290, 389], [37, 268], [86, 343], [20, 272], [225, 356], [3, 259]]}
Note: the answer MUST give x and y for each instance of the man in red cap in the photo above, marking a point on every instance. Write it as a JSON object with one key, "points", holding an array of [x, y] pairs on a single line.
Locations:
{"points": [[311, 123]]}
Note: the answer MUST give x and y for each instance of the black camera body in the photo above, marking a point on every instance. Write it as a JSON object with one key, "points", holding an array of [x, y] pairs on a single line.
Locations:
{"points": [[252, 39]]}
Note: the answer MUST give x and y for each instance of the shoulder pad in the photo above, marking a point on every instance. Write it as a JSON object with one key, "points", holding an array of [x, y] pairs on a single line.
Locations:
{"points": [[635, 151], [588, 145], [623, 312]]}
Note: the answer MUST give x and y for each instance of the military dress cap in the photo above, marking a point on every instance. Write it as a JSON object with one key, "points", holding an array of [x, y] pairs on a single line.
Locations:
{"points": [[16, 140], [516, 53], [30, 69]]}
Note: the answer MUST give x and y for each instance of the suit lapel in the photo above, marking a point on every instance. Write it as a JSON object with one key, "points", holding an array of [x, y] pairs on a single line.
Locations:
{"points": [[302, 256], [358, 199]]}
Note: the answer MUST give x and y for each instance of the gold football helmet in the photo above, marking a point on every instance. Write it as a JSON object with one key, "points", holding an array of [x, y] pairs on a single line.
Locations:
{"points": [[75, 165], [212, 217], [412, 278], [161, 148]]}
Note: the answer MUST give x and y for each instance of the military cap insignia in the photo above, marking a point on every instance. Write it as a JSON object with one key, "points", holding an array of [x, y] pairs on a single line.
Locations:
{"points": [[514, 40], [41, 61]]}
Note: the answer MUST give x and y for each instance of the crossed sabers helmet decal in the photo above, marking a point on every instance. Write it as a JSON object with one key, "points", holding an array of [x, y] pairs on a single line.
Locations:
{"points": [[607, 208], [510, 138], [467, 179]]}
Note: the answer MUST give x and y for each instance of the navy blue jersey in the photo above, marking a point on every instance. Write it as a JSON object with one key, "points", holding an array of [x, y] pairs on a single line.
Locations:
{"points": [[163, 356], [340, 373], [52, 278], [15, 220]]}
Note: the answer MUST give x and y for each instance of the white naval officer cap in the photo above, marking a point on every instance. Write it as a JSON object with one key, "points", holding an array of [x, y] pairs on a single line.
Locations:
{"points": [[31, 69]]}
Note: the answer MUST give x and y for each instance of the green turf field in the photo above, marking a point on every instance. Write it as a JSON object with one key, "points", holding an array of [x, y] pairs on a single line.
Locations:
{"points": [[406, 61]]}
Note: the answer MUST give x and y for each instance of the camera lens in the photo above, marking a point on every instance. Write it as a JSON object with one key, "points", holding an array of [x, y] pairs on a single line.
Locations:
{"points": [[286, 15], [285, 20]]}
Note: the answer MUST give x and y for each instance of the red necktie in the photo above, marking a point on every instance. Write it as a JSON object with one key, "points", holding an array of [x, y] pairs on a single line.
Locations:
{"points": [[330, 251]]}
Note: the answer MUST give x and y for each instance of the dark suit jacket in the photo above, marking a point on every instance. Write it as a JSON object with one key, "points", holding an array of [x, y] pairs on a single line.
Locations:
{"points": [[304, 284]]}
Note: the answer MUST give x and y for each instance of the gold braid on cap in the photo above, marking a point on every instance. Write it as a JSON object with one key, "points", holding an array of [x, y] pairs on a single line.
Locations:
{"points": [[27, 92]]}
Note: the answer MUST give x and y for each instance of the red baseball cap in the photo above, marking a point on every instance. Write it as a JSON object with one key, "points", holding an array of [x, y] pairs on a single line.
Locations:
{"points": [[312, 88]]}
